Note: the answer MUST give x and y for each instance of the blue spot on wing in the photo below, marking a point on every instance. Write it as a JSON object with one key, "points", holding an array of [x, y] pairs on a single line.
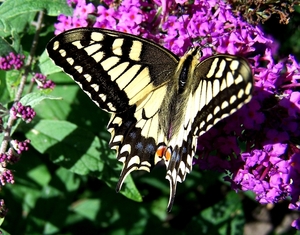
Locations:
{"points": [[150, 149], [132, 135], [128, 123], [139, 146]]}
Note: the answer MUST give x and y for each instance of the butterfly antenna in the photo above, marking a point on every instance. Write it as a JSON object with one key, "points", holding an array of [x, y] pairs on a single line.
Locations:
{"points": [[182, 10]]}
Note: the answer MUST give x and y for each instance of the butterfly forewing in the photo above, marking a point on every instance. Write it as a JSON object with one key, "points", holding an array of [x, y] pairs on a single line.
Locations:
{"points": [[115, 69], [159, 104]]}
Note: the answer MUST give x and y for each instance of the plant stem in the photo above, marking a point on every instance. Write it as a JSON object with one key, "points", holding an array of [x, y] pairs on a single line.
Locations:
{"points": [[27, 69]]}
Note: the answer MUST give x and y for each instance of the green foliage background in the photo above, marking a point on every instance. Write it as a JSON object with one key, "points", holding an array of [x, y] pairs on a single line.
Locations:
{"points": [[65, 182]]}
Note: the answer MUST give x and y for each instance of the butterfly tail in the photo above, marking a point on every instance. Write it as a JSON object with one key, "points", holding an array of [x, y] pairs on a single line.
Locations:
{"points": [[179, 165], [171, 176], [133, 149]]}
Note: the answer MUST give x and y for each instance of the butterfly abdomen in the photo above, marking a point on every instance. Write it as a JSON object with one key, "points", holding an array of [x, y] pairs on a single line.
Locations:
{"points": [[179, 89]]}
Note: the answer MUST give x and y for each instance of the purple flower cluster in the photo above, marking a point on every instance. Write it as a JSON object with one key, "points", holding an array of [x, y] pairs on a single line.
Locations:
{"points": [[203, 23], [25, 112], [256, 144], [9, 157], [6, 175], [16, 147], [268, 163], [42, 81], [11, 61], [20, 146]]}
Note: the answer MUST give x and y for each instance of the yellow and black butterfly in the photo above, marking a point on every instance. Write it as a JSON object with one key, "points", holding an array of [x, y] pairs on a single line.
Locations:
{"points": [[159, 103]]}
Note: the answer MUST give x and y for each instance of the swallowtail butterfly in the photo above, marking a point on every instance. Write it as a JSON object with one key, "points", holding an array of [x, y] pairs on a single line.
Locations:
{"points": [[159, 103]]}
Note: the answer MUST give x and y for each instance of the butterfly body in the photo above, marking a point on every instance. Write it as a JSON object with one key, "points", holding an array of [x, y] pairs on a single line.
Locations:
{"points": [[159, 103]]}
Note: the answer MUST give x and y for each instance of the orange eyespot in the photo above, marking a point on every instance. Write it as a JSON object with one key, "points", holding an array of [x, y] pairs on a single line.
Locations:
{"points": [[168, 154], [161, 151]]}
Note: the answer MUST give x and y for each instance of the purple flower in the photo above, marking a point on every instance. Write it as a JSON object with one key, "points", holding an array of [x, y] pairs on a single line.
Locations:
{"points": [[8, 157], [106, 18], [292, 103], [65, 23], [82, 10], [25, 112], [11, 61], [42, 81], [6, 176], [20, 146]]}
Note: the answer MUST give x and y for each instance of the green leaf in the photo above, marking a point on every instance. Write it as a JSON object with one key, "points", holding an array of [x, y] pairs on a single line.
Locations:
{"points": [[35, 98], [5, 47], [14, 8], [4, 94], [71, 183], [79, 151], [16, 15], [47, 66], [130, 191], [40, 175], [223, 218], [18, 25], [59, 109], [5, 28], [88, 208], [69, 146], [75, 107], [12, 81], [3, 232], [1, 221]]}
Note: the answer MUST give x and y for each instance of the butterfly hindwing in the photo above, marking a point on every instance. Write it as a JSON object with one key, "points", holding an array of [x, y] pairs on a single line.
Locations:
{"points": [[135, 134], [220, 86], [228, 80]]}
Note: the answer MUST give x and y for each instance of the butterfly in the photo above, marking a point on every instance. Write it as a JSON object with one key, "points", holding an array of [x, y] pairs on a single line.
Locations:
{"points": [[159, 103]]}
